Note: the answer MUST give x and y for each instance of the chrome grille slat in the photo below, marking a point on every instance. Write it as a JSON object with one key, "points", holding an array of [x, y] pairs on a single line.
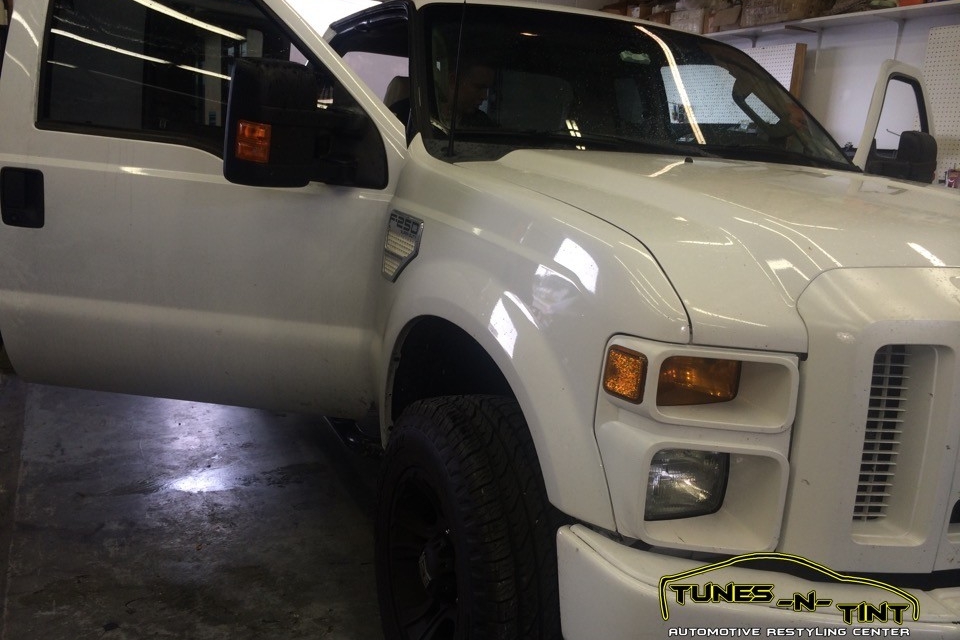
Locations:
{"points": [[886, 411]]}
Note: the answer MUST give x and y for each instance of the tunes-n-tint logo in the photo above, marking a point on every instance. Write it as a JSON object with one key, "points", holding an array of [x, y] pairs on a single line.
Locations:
{"points": [[694, 588]]}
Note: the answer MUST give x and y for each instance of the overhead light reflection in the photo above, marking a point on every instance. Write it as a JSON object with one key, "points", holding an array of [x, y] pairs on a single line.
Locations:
{"points": [[675, 72], [648, 292], [132, 54], [204, 481], [108, 47], [553, 293], [667, 168], [212, 74], [24, 26], [926, 253], [19, 64], [801, 250], [782, 268], [515, 299], [727, 318], [502, 328], [574, 257], [707, 243], [167, 11], [574, 129]]}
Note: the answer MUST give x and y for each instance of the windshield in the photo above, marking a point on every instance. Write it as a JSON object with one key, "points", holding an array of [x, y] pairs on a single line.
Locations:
{"points": [[515, 78]]}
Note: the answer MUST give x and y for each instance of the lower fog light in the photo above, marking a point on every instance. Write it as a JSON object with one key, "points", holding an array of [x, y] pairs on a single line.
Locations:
{"points": [[684, 483]]}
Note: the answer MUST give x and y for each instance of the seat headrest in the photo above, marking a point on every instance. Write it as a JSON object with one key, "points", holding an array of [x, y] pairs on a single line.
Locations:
{"points": [[397, 90]]}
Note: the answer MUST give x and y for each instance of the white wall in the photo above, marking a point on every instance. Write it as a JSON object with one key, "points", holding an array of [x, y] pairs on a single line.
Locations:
{"points": [[842, 64], [841, 70]]}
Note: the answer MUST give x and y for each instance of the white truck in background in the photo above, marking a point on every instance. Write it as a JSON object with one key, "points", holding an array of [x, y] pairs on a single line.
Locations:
{"points": [[651, 356]]}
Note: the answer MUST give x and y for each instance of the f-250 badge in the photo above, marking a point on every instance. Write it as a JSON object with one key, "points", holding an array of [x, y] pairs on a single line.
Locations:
{"points": [[402, 243]]}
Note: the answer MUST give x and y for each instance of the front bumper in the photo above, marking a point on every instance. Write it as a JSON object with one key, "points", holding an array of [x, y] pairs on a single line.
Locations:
{"points": [[612, 591]]}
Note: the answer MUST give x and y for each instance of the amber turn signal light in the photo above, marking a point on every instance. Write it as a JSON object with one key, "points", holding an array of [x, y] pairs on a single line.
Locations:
{"points": [[253, 141], [686, 381], [625, 373]]}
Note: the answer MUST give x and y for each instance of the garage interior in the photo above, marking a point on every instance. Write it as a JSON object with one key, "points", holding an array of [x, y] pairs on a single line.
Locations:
{"points": [[125, 517]]}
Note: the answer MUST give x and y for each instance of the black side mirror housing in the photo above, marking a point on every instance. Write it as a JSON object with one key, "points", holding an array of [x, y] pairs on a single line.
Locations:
{"points": [[270, 124], [919, 151], [916, 159]]}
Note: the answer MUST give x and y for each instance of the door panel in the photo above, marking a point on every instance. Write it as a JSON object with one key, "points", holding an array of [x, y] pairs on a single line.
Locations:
{"points": [[154, 275]]}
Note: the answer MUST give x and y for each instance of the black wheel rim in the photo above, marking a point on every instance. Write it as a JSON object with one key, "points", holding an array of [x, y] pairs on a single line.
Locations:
{"points": [[422, 561]]}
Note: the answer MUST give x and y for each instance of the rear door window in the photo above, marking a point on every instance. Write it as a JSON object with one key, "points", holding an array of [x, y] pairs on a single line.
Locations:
{"points": [[150, 70]]}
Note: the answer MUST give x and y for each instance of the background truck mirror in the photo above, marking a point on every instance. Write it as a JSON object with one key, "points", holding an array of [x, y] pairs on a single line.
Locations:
{"points": [[898, 135], [271, 120], [915, 158]]}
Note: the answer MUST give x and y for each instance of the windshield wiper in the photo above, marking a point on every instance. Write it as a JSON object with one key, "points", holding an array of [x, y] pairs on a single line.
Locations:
{"points": [[667, 147], [766, 153], [587, 140]]}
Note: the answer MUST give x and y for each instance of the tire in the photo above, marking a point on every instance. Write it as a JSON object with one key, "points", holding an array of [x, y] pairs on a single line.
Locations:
{"points": [[465, 536]]}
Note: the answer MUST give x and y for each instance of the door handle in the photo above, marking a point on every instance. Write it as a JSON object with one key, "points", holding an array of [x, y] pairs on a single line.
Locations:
{"points": [[21, 197]]}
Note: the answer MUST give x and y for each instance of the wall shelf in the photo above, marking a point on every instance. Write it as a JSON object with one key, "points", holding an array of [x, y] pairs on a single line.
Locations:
{"points": [[817, 25]]}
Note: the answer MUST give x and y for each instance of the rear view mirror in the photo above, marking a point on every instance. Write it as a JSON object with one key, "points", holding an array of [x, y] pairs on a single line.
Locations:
{"points": [[270, 125]]}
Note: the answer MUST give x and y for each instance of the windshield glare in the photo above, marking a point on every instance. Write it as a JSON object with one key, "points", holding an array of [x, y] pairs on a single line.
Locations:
{"points": [[538, 79]]}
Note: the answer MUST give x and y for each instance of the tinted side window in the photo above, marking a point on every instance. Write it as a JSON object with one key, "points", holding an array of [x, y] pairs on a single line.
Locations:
{"points": [[147, 69], [4, 26], [378, 70]]}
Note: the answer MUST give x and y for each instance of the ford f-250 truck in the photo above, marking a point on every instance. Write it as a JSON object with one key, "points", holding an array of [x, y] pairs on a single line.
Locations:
{"points": [[651, 356]]}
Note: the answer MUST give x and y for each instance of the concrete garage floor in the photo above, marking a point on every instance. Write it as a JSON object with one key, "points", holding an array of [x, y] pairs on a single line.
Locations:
{"points": [[125, 518]]}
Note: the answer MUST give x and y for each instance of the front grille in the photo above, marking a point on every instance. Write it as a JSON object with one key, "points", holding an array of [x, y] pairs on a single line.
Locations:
{"points": [[884, 431]]}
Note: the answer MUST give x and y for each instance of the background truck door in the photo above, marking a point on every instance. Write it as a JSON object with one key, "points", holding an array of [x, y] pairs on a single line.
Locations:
{"points": [[897, 138]]}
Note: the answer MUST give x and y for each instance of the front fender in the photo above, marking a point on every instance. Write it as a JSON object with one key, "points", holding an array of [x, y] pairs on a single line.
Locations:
{"points": [[541, 287], [549, 393]]}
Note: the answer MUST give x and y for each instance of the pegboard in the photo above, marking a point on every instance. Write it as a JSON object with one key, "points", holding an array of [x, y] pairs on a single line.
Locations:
{"points": [[941, 72], [710, 87], [784, 62]]}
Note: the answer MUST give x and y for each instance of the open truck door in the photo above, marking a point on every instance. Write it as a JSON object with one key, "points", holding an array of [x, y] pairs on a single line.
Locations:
{"points": [[891, 145]]}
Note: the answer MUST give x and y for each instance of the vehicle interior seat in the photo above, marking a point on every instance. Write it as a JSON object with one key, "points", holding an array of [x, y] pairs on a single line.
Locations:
{"points": [[397, 97]]}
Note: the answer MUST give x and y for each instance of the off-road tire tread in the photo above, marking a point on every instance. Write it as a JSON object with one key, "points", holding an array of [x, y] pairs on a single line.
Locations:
{"points": [[489, 458]]}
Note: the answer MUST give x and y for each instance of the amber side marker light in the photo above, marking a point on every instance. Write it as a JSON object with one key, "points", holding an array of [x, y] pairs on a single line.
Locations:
{"points": [[686, 380], [625, 373], [253, 141]]}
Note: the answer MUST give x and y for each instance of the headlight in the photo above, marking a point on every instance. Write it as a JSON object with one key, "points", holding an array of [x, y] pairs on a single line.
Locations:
{"points": [[685, 381], [684, 483], [694, 441], [682, 380]]}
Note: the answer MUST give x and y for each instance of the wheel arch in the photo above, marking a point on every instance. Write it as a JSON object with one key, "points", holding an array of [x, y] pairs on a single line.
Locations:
{"points": [[434, 357], [6, 366], [460, 363]]}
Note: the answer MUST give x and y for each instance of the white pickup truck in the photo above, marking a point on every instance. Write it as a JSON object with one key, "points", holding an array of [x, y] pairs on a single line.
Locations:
{"points": [[628, 314]]}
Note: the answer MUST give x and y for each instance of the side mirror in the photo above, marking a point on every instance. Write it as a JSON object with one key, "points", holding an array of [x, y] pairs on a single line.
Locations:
{"points": [[270, 126], [915, 158]]}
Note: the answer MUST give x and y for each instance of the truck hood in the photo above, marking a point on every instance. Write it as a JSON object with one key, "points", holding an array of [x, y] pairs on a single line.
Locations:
{"points": [[741, 241]]}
